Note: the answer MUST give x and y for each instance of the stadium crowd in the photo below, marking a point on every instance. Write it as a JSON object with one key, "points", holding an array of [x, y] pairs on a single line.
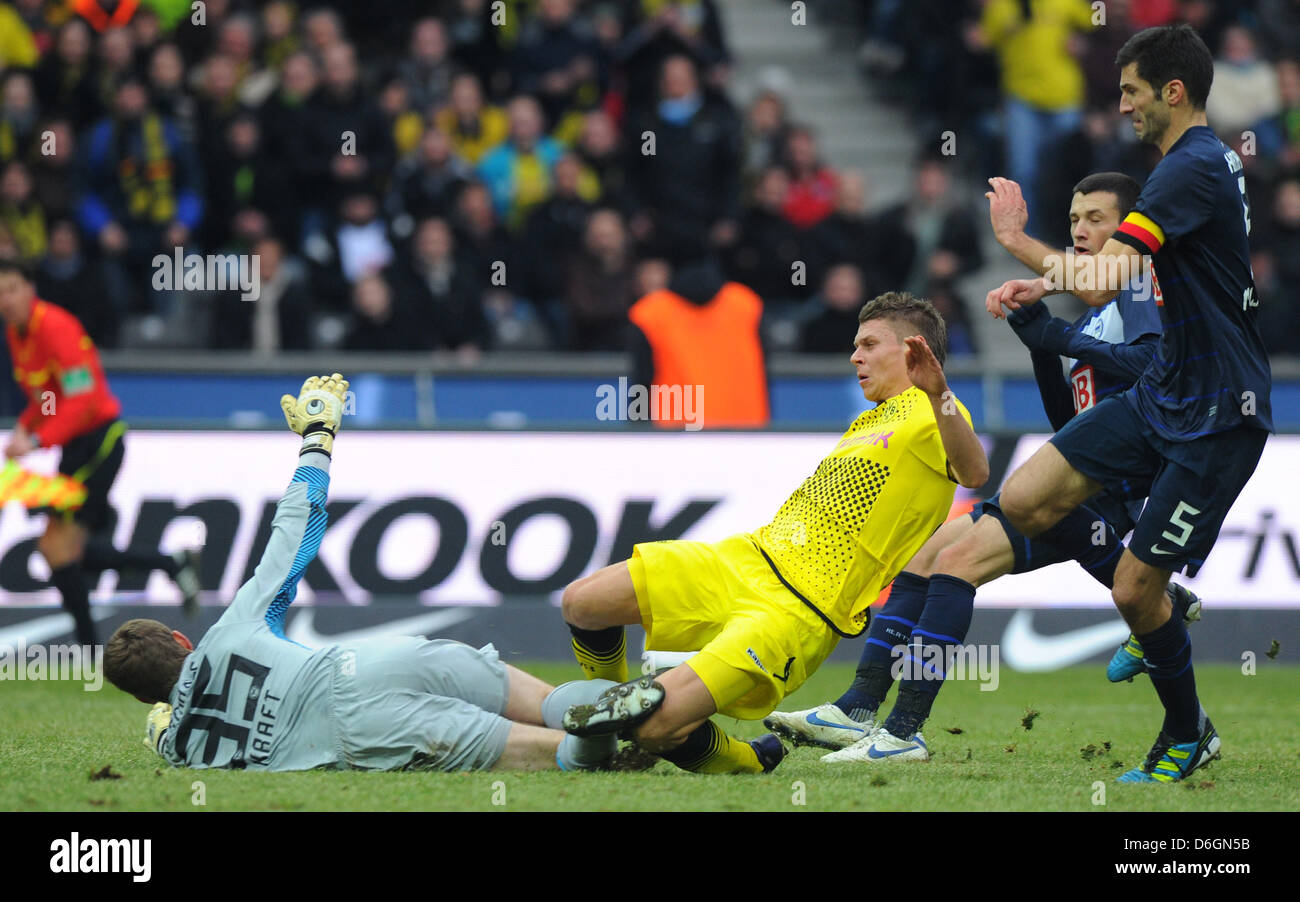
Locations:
{"points": [[417, 175]]}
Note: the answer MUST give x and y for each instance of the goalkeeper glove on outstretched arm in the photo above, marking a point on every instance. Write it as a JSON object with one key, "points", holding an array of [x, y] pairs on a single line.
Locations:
{"points": [[317, 412], [160, 717]]}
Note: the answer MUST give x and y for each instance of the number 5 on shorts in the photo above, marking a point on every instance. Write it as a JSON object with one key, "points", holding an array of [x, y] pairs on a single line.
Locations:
{"points": [[1175, 519]]}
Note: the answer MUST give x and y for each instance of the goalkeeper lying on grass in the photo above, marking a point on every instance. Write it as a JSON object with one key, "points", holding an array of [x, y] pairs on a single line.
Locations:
{"points": [[248, 697]]}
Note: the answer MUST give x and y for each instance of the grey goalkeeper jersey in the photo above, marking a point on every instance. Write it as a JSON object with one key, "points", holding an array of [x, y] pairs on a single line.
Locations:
{"points": [[247, 696]]}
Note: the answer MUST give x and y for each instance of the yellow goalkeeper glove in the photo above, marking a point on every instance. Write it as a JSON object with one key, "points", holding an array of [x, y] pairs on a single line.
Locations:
{"points": [[317, 412], [160, 716]]}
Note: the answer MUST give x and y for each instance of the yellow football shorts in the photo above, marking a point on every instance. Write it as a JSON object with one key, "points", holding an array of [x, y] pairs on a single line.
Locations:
{"points": [[757, 642]]}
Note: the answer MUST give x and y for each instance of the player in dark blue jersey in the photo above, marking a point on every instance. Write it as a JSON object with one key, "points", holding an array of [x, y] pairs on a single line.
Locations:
{"points": [[932, 600], [1190, 433]]}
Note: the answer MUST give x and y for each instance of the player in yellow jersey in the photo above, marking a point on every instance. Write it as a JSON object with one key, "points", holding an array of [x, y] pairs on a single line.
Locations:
{"points": [[764, 609]]}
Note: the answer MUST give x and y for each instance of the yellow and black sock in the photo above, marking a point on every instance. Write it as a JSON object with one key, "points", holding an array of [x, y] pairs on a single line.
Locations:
{"points": [[708, 750], [602, 654]]}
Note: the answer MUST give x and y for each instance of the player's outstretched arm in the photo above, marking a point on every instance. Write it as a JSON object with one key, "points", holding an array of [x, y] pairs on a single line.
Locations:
{"points": [[300, 517], [968, 463]]}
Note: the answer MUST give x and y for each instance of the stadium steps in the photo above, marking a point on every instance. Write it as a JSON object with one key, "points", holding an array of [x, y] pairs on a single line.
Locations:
{"points": [[815, 66], [820, 81]]}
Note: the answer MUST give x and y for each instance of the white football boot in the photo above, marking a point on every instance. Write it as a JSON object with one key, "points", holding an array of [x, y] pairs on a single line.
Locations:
{"points": [[825, 726], [882, 745]]}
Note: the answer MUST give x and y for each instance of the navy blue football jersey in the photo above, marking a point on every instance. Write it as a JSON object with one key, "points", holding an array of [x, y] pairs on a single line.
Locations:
{"points": [[1211, 372]]}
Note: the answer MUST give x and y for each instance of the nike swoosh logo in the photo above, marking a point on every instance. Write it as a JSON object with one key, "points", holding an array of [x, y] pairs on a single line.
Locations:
{"points": [[872, 753], [42, 629], [814, 719], [1027, 650], [302, 628], [1155, 549]]}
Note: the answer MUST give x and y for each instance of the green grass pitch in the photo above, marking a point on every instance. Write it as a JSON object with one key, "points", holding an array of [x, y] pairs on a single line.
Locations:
{"points": [[56, 736]]}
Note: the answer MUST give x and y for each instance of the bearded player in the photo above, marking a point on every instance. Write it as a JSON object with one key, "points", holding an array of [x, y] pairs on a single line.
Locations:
{"points": [[70, 406], [249, 697], [1190, 433], [764, 609]]}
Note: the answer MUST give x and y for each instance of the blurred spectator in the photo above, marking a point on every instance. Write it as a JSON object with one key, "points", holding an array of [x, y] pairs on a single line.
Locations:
{"points": [[848, 235], [18, 132], [473, 127], [362, 238], [322, 31], [40, 22], [554, 231], [600, 286], [237, 42], [284, 125], [218, 104], [765, 130], [601, 155], [1279, 280], [17, 46], [142, 189], [242, 175], [427, 69], [938, 235], [943, 294], [379, 324], [21, 212], [65, 78], [484, 240], [1280, 26], [1279, 135], [444, 295], [168, 90], [1245, 88], [770, 249], [405, 124], [556, 60], [346, 146], [54, 172], [654, 31], [518, 171], [685, 195], [275, 319], [652, 274], [1099, 56], [702, 335], [427, 184], [67, 278], [834, 328], [116, 48], [279, 39], [811, 196], [146, 31], [1036, 43]]}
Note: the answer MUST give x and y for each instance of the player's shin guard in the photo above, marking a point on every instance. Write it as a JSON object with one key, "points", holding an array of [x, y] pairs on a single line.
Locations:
{"points": [[889, 629], [71, 583], [1169, 661], [602, 654], [934, 642], [1098, 547], [708, 750]]}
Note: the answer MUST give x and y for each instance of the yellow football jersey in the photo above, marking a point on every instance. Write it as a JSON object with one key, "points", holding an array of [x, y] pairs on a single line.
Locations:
{"points": [[852, 525]]}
